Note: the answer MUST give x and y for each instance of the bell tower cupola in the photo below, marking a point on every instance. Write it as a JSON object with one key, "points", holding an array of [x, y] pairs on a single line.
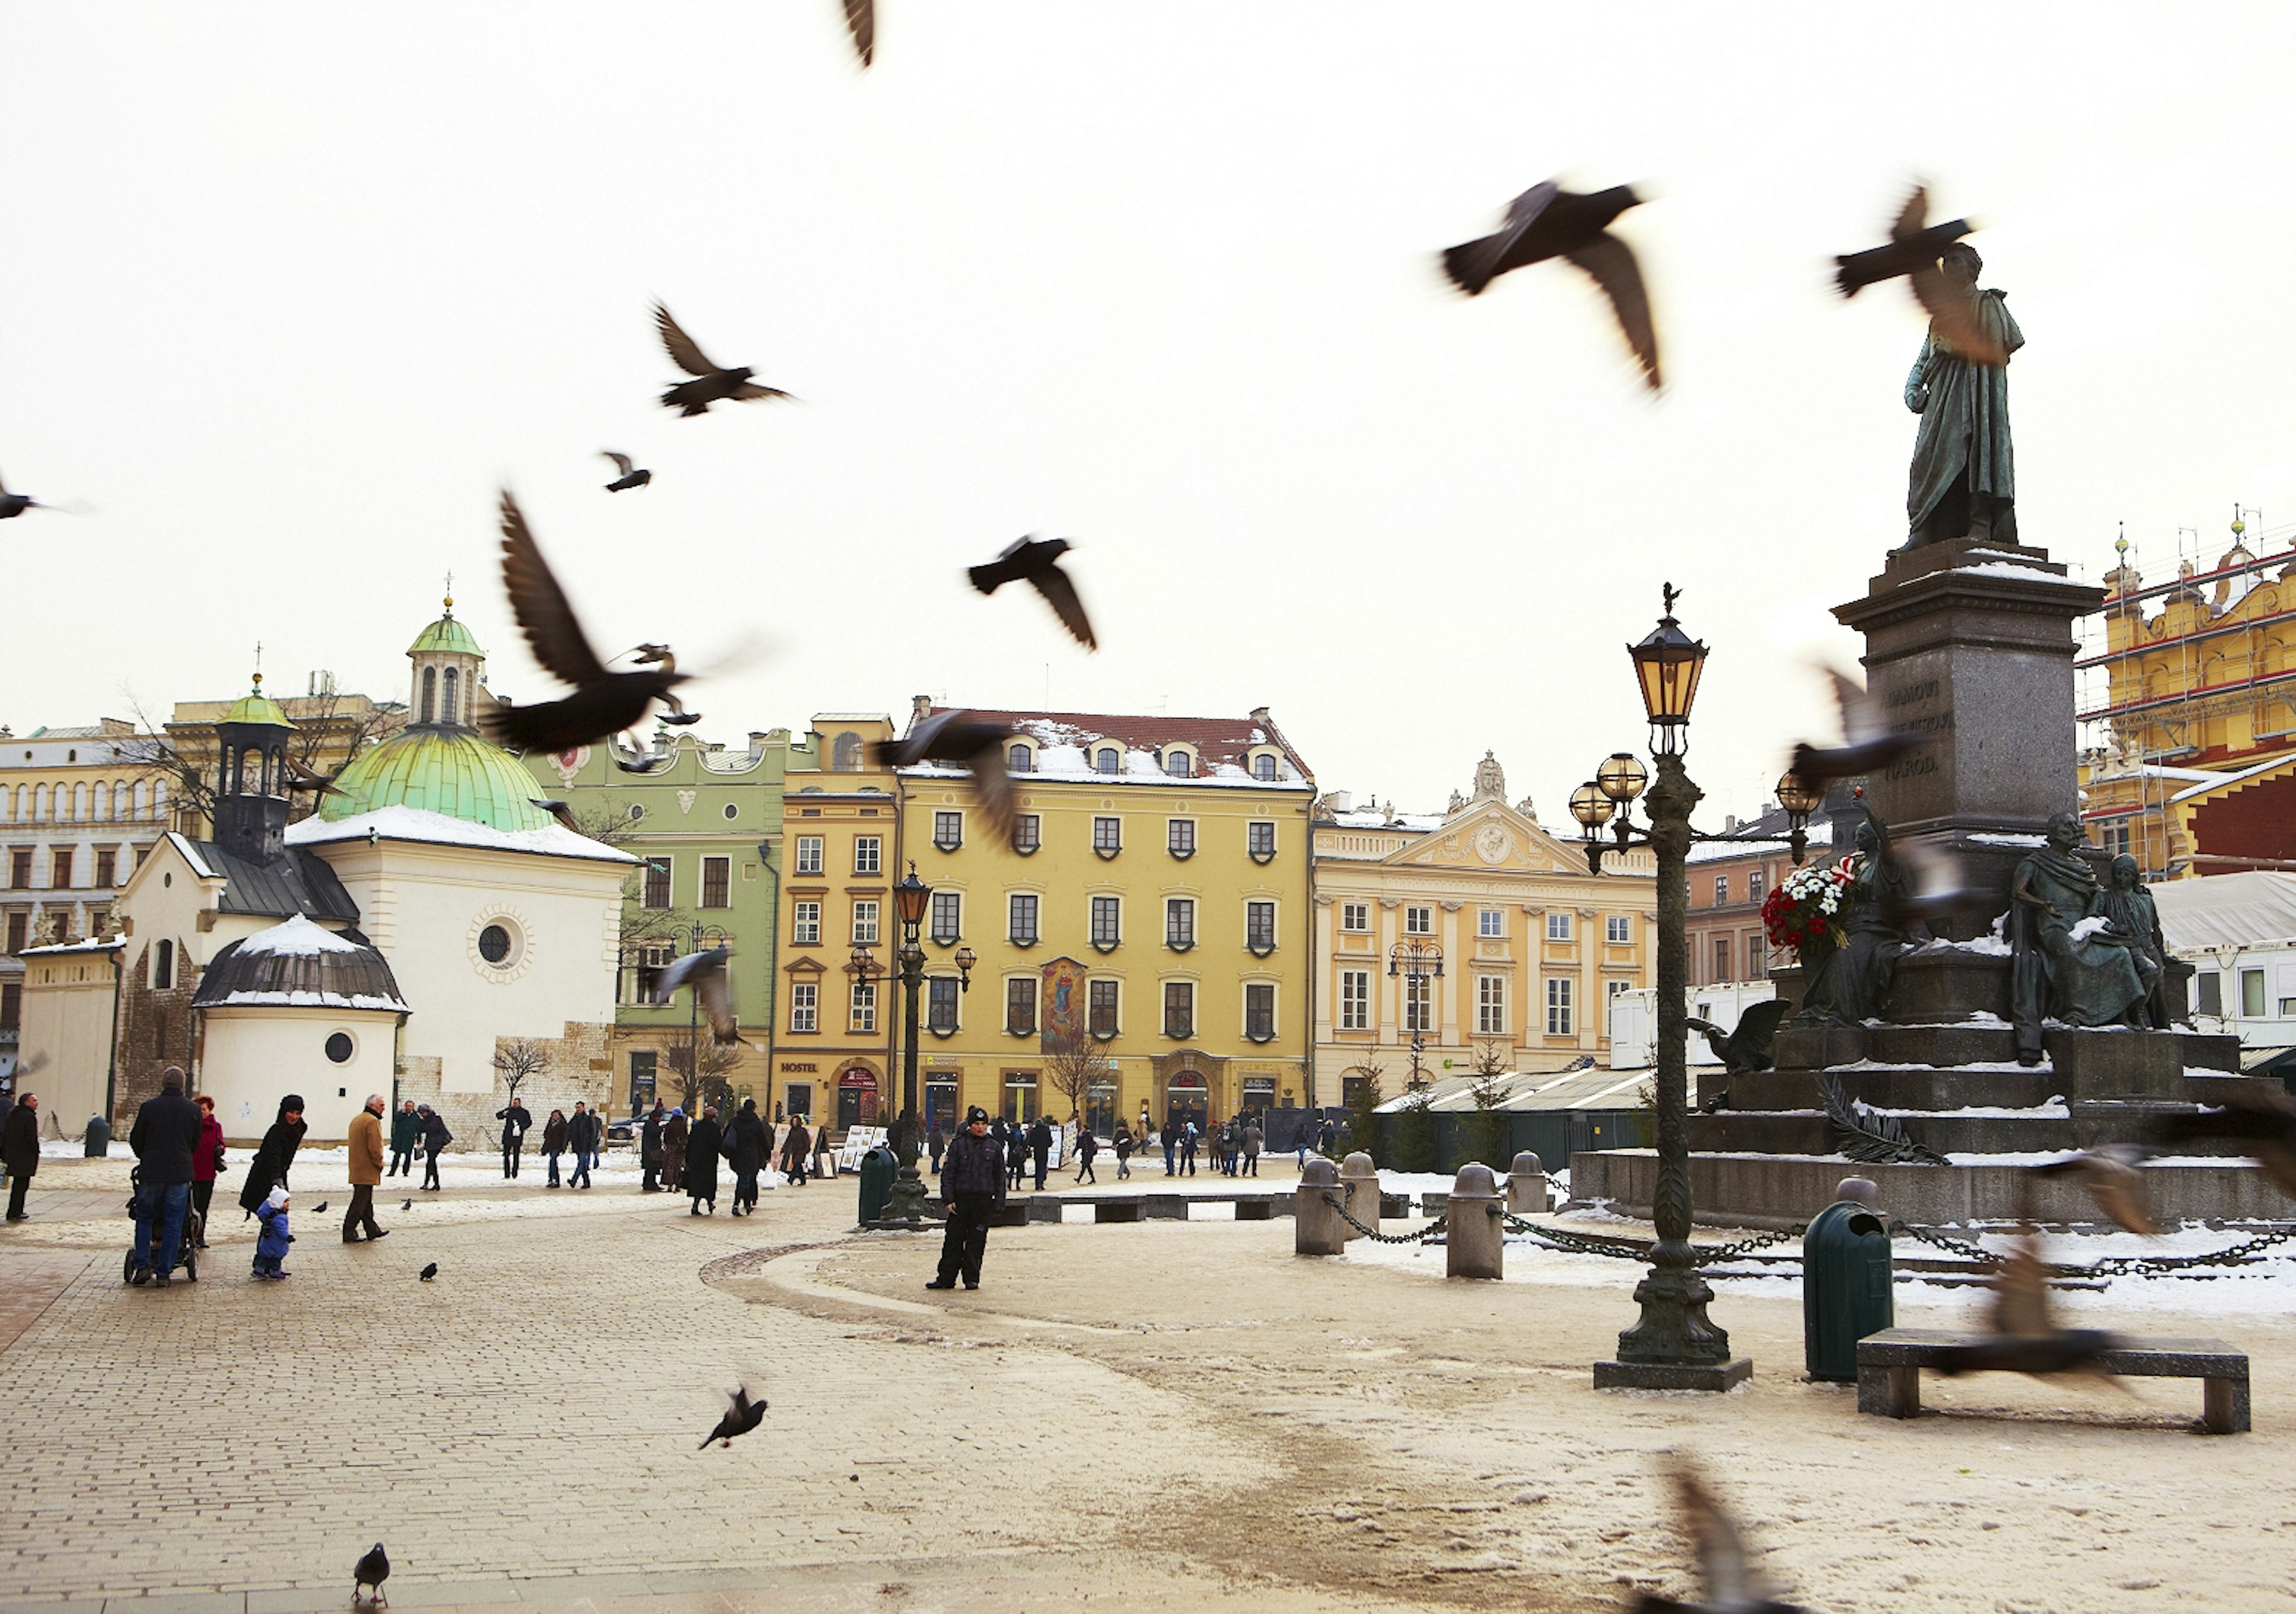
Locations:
{"points": [[449, 667], [251, 808]]}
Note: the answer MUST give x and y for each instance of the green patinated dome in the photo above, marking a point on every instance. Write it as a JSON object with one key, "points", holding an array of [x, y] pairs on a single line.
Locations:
{"points": [[450, 771], [256, 707], [445, 636]]}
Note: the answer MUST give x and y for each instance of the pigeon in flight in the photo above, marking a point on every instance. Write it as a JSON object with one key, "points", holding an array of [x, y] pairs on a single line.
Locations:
{"points": [[1868, 744], [705, 972], [1732, 1584], [1914, 247], [1547, 221], [17, 504], [861, 19], [741, 1415], [2261, 1121], [713, 383], [1747, 1048], [560, 811], [2112, 1176], [429, 1271], [960, 738], [2026, 1337], [630, 477], [603, 703], [1037, 560], [371, 1569]]}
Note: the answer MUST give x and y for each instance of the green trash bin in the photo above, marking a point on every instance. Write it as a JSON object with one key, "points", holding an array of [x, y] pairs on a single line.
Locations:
{"points": [[878, 1169], [98, 1137], [1847, 1282]]}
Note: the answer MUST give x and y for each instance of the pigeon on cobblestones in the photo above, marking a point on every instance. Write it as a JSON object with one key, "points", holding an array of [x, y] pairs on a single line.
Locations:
{"points": [[1731, 1583], [428, 1273], [741, 1415], [318, 1208], [371, 1569]]}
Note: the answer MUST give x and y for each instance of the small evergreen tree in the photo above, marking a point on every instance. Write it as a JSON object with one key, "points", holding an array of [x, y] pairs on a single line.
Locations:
{"points": [[1363, 1110], [1490, 1134], [1415, 1132]]}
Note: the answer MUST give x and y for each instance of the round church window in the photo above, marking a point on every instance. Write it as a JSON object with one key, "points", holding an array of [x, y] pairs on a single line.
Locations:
{"points": [[731, 810], [493, 943], [339, 1047]]}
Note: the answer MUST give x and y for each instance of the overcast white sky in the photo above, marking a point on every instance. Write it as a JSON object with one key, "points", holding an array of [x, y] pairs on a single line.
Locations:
{"points": [[288, 291]]}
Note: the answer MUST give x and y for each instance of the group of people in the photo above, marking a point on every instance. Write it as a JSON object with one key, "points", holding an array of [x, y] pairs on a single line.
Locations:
{"points": [[681, 1155]]}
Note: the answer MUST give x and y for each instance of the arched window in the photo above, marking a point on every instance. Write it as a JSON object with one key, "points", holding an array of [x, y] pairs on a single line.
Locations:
{"points": [[450, 709], [163, 964], [1020, 759], [121, 797], [103, 799], [1106, 761], [1178, 765], [845, 755], [143, 798], [1263, 766], [79, 803], [39, 803], [429, 693], [160, 798]]}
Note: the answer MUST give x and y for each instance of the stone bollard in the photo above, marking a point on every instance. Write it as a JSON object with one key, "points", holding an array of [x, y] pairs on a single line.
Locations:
{"points": [[1526, 1186], [1360, 1178], [1475, 1236], [1317, 1229]]}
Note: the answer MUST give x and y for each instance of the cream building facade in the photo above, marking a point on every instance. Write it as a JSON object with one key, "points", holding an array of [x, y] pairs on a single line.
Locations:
{"points": [[1477, 929]]}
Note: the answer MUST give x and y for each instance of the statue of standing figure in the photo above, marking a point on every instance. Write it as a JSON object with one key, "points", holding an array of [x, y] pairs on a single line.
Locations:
{"points": [[2070, 961], [2133, 912], [1964, 480]]}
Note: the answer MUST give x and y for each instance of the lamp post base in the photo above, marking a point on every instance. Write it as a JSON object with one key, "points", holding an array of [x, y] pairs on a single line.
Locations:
{"points": [[1674, 1375], [907, 1202]]}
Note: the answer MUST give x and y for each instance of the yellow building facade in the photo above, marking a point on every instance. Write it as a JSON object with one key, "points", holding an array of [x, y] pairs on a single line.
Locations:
{"points": [[1152, 906], [1476, 931]]}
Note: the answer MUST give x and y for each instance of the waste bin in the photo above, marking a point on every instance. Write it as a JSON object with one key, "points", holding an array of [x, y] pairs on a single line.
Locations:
{"points": [[98, 1137], [1847, 1282], [878, 1167]]}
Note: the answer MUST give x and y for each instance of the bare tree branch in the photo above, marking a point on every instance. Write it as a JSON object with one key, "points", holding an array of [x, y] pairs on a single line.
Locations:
{"points": [[1075, 1067], [518, 1064]]}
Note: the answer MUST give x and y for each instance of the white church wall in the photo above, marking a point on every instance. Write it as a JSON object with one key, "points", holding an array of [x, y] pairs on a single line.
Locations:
{"points": [[65, 1036], [255, 1056]]}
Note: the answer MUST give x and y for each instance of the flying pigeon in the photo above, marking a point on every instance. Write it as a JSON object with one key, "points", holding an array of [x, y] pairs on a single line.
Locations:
{"points": [[1732, 1584], [1868, 745], [603, 703], [2112, 1175], [2263, 1122], [428, 1273], [741, 1415], [2026, 1337], [17, 504], [1747, 1048], [1914, 248], [705, 972], [371, 1569], [712, 383], [560, 811], [861, 19], [958, 737], [302, 777], [1037, 561], [1547, 221], [630, 477]]}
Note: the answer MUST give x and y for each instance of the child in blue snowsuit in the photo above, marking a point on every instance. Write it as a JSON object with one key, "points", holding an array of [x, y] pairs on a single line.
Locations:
{"points": [[271, 1245]]}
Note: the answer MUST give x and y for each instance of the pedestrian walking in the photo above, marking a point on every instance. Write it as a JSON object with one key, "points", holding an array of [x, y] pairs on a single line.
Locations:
{"points": [[435, 1139], [207, 1162], [796, 1152], [1016, 1153], [701, 1160], [1253, 1138], [554, 1143], [165, 1139], [1123, 1154], [674, 1133], [1040, 1149], [649, 1148], [582, 1130], [1087, 1146], [1187, 1149], [275, 1156], [272, 1240], [516, 1118], [971, 1190], [20, 1147], [364, 1145], [935, 1145], [824, 1154], [748, 1146], [406, 1132], [1168, 1135]]}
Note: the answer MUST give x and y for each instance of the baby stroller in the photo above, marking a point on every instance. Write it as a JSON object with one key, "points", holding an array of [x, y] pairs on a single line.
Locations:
{"points": [[194, 1230]]}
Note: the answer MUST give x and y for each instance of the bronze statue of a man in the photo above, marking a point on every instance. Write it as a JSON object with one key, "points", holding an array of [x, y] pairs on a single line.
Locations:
{"points": [[1964, 479]]}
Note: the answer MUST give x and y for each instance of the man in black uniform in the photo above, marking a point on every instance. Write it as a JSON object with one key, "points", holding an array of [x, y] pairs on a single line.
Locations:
{"points": [[971, 1186]]}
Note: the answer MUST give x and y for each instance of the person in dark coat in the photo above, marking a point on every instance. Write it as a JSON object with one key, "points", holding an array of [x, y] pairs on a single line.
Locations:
{"points": [[649, 1148], [936, 1145], [435, 1139], [1187, 1149], [516, 1118], [166, 1140], [1087, 1146], [1123, 1154], [1016, 1153], [554, 1143], [1040, 1148], [971, 1190], [796, 1152], [406, 1132], [748, 1144], [205, 1166], [701, 1149], [19, 1149], [582, 1137], [674, 1133], [276, 1156]]}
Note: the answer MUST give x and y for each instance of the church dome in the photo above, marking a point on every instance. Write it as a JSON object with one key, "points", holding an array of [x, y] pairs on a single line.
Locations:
{"points": [[299, 965], [256, 707], [451, 771], [446, 636]]}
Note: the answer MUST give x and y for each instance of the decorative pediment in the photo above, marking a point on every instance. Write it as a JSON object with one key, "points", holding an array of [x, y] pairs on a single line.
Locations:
{"points": [[1490, 836]]}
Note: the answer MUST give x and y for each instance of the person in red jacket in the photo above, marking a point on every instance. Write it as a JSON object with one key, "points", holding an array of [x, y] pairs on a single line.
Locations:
{"points": [[207, 1160]]}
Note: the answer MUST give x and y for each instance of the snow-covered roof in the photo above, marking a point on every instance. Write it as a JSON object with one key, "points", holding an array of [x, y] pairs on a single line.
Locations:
{"points": [[2227, 910], [1064, 741], [1376, 818], [1762, 837], [1587, 1088], [299, 937], [300, 965], [397, 822], [58, 949], [2219, 781]]}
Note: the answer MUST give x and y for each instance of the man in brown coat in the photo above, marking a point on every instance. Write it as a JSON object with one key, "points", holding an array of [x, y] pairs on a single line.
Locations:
{"points": [[367, 1171]]}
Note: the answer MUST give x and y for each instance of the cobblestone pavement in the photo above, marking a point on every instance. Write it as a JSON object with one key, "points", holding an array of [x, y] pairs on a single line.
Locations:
{"points": [[1178, 1410]]}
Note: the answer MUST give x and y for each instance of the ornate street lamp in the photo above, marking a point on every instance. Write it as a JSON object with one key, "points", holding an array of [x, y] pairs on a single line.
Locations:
{"points": [[911, 898], [1799, 801], [1416, 961]]}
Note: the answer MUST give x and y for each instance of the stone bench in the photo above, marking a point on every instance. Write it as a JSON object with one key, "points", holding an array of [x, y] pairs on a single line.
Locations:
{"points": [[1012, 1213], [1889, 1371], [1117, 1210]]}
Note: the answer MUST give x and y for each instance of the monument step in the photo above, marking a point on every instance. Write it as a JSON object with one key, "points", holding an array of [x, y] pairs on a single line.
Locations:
{"points": [[1808, 1133], [1895, 1087], [2086, 1063]]}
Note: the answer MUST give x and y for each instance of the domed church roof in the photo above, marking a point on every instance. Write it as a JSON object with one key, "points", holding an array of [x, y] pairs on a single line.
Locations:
{"points": [[299, 965], [451, 771]]}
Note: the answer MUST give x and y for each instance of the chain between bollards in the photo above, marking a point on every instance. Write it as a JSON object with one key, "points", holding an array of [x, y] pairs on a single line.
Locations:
{"points": [[1339, 1204]]}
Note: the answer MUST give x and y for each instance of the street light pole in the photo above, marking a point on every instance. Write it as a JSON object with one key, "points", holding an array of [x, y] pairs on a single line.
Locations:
{"points": [[1416, 961], [907, 1203]]}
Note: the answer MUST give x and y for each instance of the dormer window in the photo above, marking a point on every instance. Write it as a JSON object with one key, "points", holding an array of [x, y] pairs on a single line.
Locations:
{"points": [[1020, 759], [1178, 764], [1105, 759], [1263, 767]]}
